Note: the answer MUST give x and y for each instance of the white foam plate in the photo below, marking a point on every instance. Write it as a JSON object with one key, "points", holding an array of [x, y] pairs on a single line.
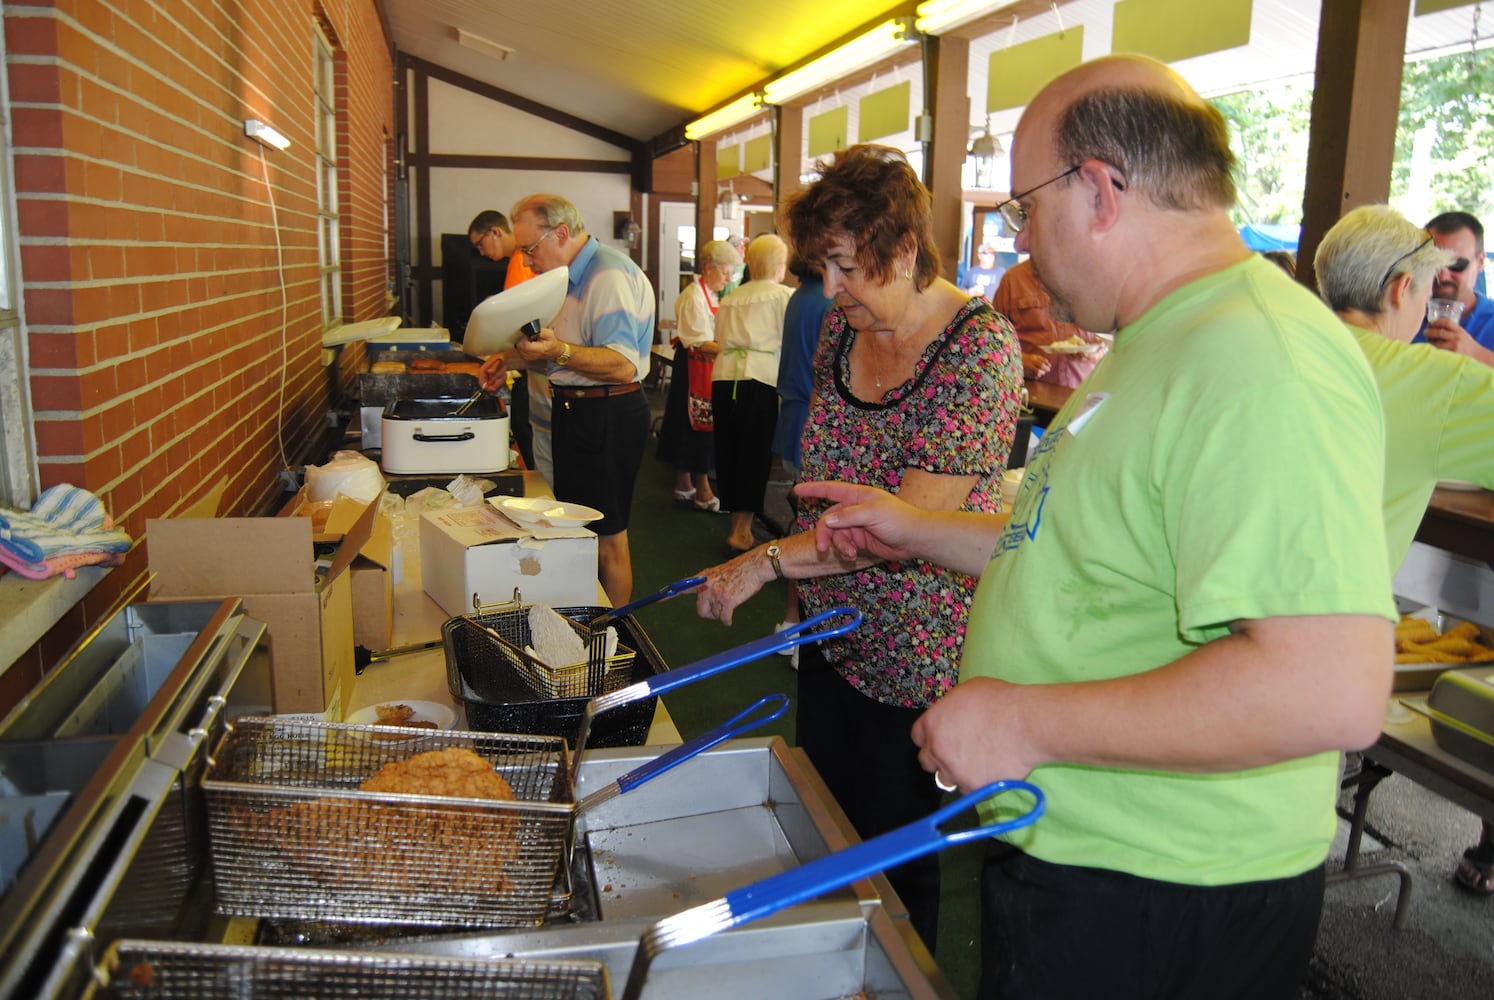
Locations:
{"points": [[1461, 485], [1070, 348], [494, 325], [425, 711], [545, 511]]}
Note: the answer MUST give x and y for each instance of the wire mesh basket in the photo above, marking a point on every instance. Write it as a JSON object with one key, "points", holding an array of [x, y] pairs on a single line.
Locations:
{"points": [[162, 970], [293, 836], [498, 637]]}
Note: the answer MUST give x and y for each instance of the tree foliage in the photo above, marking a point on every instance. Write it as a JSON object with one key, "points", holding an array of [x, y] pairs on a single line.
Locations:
{"points": [[1452, 96]]}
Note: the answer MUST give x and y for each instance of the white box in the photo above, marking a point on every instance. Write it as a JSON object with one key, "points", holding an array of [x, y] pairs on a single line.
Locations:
{"points": [[476, 550]]}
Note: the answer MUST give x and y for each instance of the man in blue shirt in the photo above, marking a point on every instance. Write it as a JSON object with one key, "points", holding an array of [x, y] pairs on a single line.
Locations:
{"points": [[1473, 333], [594, 353]]}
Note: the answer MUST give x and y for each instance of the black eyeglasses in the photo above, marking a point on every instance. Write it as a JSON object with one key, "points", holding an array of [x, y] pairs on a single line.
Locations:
{"points": [[1460, 265], [531, 248], [1390, 271], [1012, 211], [477, 243]]}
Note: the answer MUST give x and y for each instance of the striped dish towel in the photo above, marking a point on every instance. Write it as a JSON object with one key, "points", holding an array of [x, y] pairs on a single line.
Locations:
{"points": [[64, 521]]}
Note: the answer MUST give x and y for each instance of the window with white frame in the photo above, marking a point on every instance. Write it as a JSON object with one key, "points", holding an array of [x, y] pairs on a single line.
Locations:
{"points": [[328, 253], [17, 439]]}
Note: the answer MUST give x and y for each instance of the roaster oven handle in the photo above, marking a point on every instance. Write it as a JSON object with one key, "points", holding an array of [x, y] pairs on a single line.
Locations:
{"points": [[466, 436]]}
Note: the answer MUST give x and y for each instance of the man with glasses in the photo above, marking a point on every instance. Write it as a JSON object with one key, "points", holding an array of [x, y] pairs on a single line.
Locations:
{"points": [[492, 237], [1187, 614], [1473, 333], [594, 353]]}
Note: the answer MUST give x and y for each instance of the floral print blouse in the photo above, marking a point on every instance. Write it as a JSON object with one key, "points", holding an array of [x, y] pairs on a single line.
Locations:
{"points": [[956, 416]]}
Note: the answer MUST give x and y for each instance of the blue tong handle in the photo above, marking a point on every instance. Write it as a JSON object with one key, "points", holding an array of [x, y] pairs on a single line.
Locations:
{"points": [[662, 594], [889, 850], [735, 726], [795, 635]]}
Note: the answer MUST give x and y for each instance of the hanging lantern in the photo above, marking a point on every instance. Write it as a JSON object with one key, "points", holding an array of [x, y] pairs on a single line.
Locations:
{"points": [[982, 153]]}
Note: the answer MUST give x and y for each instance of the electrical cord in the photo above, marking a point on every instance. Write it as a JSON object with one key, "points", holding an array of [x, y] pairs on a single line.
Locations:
{"points": [[284, 316]]}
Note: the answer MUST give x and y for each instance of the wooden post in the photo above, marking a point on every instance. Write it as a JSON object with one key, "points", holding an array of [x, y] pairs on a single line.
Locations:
{"points": [[948, 74], [1355, 104]]}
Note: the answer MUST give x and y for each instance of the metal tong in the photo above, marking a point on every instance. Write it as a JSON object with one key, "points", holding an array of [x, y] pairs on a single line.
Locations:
{"points": [[789, 638], [596, 653], [530, 330], [824, 874]]}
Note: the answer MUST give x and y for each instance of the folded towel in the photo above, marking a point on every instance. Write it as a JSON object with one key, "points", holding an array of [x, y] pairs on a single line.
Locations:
{"points": [[64, 521]]}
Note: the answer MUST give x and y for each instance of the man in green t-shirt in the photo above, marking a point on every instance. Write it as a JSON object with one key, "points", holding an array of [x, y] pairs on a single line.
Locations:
{"points": [[1188, 613], [1376, 270]]}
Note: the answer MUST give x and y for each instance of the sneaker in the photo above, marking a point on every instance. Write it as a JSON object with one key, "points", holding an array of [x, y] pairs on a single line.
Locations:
{"points": [[792, 654]]}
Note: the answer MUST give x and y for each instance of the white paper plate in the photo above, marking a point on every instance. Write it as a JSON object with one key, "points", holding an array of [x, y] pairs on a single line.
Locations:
{"points": [[545, 511], [1070, 348], [494, 325], [425, 711], [1461, 485]]}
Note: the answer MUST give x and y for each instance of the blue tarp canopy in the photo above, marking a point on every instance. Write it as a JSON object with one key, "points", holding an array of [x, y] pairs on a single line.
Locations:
{"points": [[1270, 236]]}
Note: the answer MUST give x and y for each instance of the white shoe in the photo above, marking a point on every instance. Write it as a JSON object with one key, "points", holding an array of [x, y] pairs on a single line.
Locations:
{"points": [[792, 654]]}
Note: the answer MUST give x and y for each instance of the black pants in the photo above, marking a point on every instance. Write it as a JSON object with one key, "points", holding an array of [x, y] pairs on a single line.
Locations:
{"points": [[863, 751], [598, 446], [745, 414], [1059, 931]]}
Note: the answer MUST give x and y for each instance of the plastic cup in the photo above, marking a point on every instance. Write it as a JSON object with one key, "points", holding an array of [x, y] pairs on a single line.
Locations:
{"points": [[1450, 309]]}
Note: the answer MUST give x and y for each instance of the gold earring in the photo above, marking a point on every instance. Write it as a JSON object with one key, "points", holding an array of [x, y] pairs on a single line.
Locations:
{"points": [[908, 275]]}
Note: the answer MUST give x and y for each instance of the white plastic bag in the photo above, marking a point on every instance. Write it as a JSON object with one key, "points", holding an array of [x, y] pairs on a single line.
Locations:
{"points": [[347, 473]]}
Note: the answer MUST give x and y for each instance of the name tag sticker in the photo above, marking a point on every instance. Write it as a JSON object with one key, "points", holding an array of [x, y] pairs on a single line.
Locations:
{"points": [[1092, 404]]}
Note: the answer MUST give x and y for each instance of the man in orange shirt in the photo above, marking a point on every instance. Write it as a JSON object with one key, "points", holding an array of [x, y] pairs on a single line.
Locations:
{"points": [[1024, 301]]}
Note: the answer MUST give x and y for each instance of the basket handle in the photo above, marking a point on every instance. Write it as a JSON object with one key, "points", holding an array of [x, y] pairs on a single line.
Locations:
{"points": [[662, 594]]}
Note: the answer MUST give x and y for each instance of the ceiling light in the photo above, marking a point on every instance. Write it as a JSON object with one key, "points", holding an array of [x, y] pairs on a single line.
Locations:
{"points": [[730, 204], [724, 117], [935, 17], [983, 151], [860, 52], [486, 46], [256, 129]]}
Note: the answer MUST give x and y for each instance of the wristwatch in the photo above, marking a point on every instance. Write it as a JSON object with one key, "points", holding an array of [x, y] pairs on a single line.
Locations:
{"points": [[565, 356], [773, 553]]}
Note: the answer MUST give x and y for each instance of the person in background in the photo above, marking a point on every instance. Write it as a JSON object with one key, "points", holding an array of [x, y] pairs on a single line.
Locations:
{"points": [[1377, 271], [916, 390], [1473, 333], [685, 436], [1163, 578], [594, 354], [742, 274], [529, 418], [1022, 299], [802, 321], [744, 397], [983, 278], [1284, 259]]}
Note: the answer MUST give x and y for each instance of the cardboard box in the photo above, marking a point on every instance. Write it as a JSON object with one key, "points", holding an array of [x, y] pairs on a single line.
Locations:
{"points": [[373, 586], [271, 563], [478, 551]]}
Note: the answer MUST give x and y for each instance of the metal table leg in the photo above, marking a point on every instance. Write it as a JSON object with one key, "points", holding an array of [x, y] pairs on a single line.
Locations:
{"points": [[1369, 776]]}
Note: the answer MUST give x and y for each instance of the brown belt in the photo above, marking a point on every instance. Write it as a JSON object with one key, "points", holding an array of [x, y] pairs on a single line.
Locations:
{"points": [[593, 391]]}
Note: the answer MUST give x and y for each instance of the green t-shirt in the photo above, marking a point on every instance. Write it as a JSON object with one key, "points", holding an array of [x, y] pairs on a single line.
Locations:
{"points": [[1224, 462], [1439, 424]]}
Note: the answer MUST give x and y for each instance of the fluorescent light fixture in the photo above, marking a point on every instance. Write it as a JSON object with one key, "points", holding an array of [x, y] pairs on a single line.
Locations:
{"points": [[935, 17], [860, 52], [256, 129], [486, 46], [724, 117]]}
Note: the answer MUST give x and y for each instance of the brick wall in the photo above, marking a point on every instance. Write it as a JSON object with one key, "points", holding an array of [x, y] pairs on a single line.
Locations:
{"points": [[164, 353]]}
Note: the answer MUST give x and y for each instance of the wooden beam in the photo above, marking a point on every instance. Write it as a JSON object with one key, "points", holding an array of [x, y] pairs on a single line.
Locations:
{"points": [[1355, 104], [789, 156], [949, 71]]}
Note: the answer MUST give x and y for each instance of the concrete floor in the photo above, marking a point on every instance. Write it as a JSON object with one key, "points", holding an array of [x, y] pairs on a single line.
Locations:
{"points": [[1446, 948]]}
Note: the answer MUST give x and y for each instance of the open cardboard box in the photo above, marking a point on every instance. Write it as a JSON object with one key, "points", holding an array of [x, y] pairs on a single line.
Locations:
{"points": [[372, 578], [271, 563], [476, 551]]}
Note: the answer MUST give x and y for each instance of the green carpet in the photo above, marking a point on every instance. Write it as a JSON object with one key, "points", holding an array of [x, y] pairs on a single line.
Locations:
{"points": [[671, 541]]}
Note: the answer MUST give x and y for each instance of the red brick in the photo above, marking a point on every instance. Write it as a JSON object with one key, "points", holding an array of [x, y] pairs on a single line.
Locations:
{"points": [[40, 173], [49, 306], [59, 437], [52, 350]]}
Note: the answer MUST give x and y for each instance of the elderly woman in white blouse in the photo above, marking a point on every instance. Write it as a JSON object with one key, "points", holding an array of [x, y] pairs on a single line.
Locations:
{"points": [[744, 397], [685, 436]]}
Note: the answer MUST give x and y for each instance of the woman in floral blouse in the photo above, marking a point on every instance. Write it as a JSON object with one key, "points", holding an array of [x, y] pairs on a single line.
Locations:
{"points": [[917, 389]]}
